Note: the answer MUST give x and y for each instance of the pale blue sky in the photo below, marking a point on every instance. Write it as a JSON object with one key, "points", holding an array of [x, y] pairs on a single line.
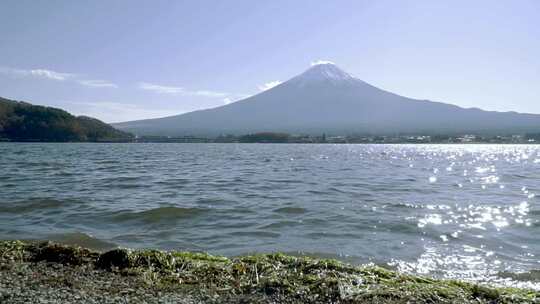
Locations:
{"points": [[124, 60]]}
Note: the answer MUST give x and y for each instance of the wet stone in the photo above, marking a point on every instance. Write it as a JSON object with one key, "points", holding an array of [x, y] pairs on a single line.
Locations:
{"points": [[59, 254], [114, 258]]}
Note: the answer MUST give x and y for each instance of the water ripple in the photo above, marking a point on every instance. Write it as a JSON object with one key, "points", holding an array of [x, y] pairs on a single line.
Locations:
{"points": [[453, 211]]}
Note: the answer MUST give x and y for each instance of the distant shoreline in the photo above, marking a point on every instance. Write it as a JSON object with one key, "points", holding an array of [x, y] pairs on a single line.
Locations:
{"points": [[269, 143], [275, 137]]}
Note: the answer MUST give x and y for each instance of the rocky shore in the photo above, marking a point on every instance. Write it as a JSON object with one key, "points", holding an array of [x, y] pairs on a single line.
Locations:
{"points": [[53, 273]]}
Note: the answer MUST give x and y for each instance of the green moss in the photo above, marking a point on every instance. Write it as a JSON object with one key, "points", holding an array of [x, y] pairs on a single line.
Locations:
{"points": [[13, 250], [278, 276]]}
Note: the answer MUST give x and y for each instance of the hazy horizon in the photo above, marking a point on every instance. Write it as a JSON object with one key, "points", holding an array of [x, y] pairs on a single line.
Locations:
{"points": [[120, 62]]}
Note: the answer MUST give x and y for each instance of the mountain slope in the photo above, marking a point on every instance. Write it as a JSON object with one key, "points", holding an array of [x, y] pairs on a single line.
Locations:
{"points": [[20, 121], [326, 99]]}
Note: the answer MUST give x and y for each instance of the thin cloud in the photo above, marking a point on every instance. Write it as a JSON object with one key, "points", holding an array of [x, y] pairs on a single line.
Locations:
{"points": [[37, 73], [235, 98], [207, 93], [111, 112], [161, 89], [56, 76], [97, 83], [269, 85]]}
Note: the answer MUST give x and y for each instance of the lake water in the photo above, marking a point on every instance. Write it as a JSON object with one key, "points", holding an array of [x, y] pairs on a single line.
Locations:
{"points": [[455, 211]]}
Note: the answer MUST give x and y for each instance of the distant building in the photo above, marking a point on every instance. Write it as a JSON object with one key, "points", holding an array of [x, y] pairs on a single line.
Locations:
{"points": [[336, 139], [468, 138]]}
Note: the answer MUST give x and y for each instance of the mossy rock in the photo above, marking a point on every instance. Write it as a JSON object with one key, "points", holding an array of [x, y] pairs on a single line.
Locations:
{"points": [[483, 292], [119, 258], [55, 253]]}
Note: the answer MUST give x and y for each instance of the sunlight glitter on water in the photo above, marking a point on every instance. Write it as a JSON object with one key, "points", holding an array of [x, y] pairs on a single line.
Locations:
{"points": [[478, 216], [455, 211], [475, 219]]}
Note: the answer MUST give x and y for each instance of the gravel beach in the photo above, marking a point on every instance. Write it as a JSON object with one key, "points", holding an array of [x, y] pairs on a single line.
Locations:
{"points": [[53, 273], [44, 282]]}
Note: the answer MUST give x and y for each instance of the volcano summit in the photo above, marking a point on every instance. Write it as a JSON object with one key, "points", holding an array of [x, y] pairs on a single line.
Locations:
{"points": [[326, 99]]}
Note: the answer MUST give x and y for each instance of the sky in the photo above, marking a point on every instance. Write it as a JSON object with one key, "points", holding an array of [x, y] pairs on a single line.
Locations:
{"points": [[127, 60]]}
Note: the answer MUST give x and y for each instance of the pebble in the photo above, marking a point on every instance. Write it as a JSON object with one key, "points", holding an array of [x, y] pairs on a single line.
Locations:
{"points": [[22, 282]]}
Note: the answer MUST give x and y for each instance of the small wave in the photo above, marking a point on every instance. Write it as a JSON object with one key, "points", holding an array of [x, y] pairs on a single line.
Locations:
{"points": [[291, 210], [256, 234], [39, 164], [334, 189], [534, 212], [160, 214], [64, 174], [280, 224], [286, 181], [83, 240], [404, 206], [33, 205], [123, 179], [107, 161], [130, 186], [529, 276], [330, 235], [317, 192], [174, 182]]}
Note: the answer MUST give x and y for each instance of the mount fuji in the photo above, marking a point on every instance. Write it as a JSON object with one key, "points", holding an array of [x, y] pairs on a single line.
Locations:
{"points": [[325, 99]]}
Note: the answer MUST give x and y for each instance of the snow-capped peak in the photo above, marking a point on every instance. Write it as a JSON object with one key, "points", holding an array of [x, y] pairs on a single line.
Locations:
{"points": [[322, 62], [324, 71]]}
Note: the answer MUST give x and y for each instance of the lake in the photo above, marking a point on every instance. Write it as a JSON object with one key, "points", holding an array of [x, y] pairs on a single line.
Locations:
{"points": [[451, 211]]}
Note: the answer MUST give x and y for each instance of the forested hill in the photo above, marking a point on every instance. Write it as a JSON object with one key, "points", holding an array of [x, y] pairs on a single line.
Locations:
{"points": [[21, 121]]}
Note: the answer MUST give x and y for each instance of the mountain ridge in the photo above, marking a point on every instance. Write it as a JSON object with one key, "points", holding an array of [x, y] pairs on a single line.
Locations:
{"points": [[326, 99]]}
